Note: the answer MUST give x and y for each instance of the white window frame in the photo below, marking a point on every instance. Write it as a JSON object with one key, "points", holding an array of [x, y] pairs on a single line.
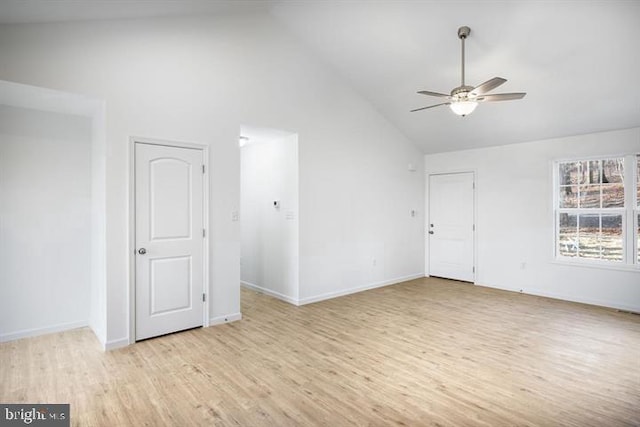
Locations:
{"points": [[635, 223], [629, 214]]}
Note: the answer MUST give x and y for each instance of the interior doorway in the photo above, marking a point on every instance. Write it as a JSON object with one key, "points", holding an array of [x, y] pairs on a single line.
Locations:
{"points": [[451, 226], [269, 212], [52, 212]]}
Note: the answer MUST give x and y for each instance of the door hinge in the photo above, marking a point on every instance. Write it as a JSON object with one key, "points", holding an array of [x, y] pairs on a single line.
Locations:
{"points": [[204, 297], [474, 227], [474, 185], [202, 168], [204, 233], [473, 269]]}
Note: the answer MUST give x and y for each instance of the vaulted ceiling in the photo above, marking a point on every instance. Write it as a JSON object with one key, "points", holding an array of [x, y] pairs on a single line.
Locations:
{"points": [[578, 61]]}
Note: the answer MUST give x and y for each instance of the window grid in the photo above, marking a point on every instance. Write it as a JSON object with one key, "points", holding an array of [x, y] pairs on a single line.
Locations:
{"points": [[593, 224]]}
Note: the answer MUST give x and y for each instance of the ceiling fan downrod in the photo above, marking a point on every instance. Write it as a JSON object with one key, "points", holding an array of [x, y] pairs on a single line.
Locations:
{"points": [[463, 33]]}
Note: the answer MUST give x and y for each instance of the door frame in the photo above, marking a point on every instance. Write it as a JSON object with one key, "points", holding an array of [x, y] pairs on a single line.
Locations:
{"points": [[131, 249], [427, 201]]}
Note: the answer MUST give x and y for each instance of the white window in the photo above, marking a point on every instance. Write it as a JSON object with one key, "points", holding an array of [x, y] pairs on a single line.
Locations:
{"points": [[637, 212], [597, 210]]}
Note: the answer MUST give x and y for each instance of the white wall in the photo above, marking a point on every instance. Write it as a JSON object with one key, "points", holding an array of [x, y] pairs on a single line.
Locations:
{"points": [[198, 80], [269, 172], [45, 221], [98, 312], [515, 218], [356, 198]]}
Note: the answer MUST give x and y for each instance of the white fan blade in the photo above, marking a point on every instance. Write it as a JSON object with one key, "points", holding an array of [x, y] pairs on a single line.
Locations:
{"points": [[430, 106], [487, 86], [429, 93], [500, 97]]}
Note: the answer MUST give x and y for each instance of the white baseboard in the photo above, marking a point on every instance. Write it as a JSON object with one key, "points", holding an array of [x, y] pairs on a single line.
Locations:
{"points": [[114, 344], [218, 320], [570, 298], [271, 293], [330, 295], [123, 342], [25, 333], [100, 336]]}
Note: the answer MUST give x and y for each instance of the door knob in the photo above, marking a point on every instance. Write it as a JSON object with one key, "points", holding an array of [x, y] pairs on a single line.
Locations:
{"points": [[142, 251], [430, 231]]}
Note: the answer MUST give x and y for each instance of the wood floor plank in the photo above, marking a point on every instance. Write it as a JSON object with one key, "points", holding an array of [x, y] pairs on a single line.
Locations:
{"points": [[428, 352]]}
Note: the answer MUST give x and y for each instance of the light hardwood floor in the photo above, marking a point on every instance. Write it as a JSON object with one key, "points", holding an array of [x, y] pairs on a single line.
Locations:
{"points": [[428, 352]]}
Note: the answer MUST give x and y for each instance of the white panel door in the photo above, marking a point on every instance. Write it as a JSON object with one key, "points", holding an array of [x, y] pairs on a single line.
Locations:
{"points": [[169, 239], [451, 226]]}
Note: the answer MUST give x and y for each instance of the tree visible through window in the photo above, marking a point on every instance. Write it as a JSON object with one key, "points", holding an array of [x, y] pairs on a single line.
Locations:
{"points": [[591, 209]]}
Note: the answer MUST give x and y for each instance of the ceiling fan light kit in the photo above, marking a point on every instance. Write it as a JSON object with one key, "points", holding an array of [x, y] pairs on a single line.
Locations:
{"points": [[462, 108], [464, 99]]}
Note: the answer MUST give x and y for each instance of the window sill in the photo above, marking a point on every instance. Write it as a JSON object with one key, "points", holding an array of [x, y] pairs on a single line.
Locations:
{"points": [[595, 264]]}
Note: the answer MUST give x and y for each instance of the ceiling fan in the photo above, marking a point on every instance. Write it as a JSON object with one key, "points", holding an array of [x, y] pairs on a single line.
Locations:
{"points": [[464, 99]]}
